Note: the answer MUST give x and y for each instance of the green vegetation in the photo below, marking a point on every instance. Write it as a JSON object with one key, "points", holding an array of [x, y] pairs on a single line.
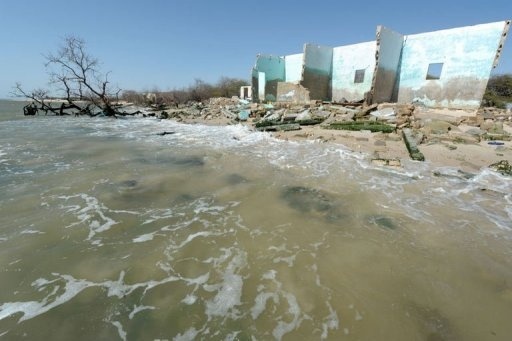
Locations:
{"points": [[502, 167], [372, 126], [280, 127], [199, 91], [266, 123], [411, 145], [498, 92], [310, 122], [496, 137]]}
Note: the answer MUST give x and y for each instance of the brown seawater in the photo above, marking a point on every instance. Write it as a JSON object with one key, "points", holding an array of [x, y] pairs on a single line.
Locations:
{"points": [[110, 231]]}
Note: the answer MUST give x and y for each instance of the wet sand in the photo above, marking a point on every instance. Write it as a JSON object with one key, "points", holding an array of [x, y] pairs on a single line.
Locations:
{"points": [[455, 149]]}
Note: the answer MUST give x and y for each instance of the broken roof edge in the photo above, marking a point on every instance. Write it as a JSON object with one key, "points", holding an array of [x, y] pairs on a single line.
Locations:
{"points": [[266, 55], [504, 34], [381, 27], [456, 28]]}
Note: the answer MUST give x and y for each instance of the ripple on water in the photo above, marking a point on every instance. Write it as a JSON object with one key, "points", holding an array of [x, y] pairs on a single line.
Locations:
{"points": [[185, 262]]}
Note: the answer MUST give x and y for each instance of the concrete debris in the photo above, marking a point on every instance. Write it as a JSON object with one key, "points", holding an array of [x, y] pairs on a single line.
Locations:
{"points": [[415, 126], [503, 167], [412, 147], [395, 163]]}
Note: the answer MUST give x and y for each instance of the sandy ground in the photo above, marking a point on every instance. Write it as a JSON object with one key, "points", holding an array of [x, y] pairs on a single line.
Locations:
{"points": [[444, 152], [469, 157]]}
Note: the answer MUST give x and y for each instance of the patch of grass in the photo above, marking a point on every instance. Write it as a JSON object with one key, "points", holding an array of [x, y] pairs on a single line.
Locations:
{"points": [[310, 122], [266, 123], [362, 125]]}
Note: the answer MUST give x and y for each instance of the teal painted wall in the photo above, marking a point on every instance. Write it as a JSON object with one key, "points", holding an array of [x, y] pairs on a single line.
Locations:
{"points": [[467, 54], [395, 68], [345, 61], [273, 67], [271, 70], [293, 67]]}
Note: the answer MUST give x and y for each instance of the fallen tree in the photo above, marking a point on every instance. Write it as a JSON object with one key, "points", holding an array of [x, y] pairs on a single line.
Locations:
{"points": [[76, 77]]}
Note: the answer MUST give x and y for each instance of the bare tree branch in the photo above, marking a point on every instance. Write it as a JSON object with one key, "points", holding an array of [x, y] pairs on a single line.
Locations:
{"points": [[76, 76]]}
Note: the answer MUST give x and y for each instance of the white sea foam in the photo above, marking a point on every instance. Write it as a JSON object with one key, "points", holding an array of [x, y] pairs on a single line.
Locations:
{"points": [[331, 322], [31, 232], [138, 309], [72, 287], [189, 335], [120, 329], [288, 260], [91, 212], [227, 297], [282, 327], [32, 309], [200, 280], [193, 236], [229, 292], [189, 299], [260, 303], [144, 238]]}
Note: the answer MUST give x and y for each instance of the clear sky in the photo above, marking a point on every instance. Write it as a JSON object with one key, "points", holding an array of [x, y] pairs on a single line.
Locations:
{"points": [[167, 44]]}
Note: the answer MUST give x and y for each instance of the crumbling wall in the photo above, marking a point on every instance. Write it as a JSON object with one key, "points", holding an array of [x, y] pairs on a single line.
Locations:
{"points": [[292, 93], [271, 70], [389, 49], [346, 61], [463, 58], [255, 85], [316, 73], [293, 67]]}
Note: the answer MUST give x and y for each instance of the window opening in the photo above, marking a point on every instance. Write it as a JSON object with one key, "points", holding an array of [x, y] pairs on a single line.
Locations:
{"points": [[359, 76], [434, 70]]}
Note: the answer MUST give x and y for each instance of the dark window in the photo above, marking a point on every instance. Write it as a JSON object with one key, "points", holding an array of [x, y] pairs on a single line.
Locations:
{"points": [[359, 77], [434, 70]]}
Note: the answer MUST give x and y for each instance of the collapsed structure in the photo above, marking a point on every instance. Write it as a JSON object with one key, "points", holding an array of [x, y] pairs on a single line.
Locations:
{"points": [[448, 68]]}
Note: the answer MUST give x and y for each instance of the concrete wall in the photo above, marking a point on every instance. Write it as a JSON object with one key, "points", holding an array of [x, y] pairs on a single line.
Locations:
{"points": [[345, 61], [389, 50], [467, 54], [292, 93], [316, 74], [293, 67], [255, 85], [271, 70], [395, 68]]}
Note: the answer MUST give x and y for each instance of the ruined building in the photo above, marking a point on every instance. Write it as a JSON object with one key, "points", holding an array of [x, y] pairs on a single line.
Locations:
{"points": [[448, 68]]}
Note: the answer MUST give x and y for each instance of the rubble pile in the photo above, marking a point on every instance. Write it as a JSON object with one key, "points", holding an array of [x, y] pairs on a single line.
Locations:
{"points": [[422, 126]]}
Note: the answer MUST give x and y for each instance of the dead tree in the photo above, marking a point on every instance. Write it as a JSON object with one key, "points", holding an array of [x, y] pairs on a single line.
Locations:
{"points": [[76, 76]]}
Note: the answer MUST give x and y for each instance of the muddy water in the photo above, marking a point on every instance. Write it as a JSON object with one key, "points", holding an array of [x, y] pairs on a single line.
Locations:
{"points": [[110, 231]]}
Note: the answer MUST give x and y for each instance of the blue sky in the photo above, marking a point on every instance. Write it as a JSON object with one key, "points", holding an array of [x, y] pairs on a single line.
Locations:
{"points": [[167, 44]]}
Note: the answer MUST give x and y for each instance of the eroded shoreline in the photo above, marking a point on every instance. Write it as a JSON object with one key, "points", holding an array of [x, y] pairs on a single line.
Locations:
{"points": [[467, 140]]}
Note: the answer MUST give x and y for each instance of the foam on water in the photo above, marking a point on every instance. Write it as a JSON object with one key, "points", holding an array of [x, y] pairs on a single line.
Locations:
{"points": [[188, 335], [229, 292], [72, 287], [138, 309], [120, 330], [260, 303], [31, 309], [145, 237], [227, 266], [90, 212]]}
